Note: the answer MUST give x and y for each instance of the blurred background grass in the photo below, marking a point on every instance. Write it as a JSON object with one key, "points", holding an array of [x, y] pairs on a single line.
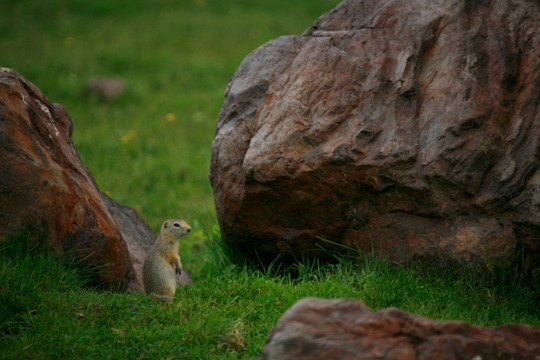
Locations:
{"points": [[150, 147]]}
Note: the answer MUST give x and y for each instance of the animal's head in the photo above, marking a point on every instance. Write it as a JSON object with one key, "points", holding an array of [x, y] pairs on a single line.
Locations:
{"points": [[176, 227]]}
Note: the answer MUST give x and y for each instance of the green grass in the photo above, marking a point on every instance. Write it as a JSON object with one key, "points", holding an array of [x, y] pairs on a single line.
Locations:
{"points": [[49, 314], [178, 56]]}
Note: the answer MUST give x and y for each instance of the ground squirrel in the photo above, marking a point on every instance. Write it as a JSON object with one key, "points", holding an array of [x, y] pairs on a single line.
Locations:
{"points": [[163, 262]]}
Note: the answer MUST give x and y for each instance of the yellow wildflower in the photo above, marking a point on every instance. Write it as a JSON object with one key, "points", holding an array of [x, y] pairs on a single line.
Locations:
{"points": [[129, 136], [170, 117]]}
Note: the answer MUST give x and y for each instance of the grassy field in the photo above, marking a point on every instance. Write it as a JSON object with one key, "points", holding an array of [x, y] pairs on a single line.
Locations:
{"points": [[49, 314], [150, 149]]}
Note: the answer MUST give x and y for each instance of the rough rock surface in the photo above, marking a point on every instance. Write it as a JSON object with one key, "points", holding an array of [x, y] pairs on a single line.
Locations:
{"points": [[347, 329], [409, 127], [46, 190], [137, 235]]}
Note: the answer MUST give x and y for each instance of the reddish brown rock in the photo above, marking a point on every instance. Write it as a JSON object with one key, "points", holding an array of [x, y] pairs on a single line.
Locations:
{"points": [[347, 329], [410, 128], [46, 190], [137, 235]]}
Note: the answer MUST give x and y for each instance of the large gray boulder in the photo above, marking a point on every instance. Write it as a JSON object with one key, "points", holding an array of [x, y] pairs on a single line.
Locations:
{"points": [[409, 128]]}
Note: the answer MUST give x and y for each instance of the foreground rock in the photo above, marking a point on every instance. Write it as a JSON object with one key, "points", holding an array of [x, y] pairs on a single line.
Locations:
{"points": [[46, 190], [347, 329], [409, 128]]}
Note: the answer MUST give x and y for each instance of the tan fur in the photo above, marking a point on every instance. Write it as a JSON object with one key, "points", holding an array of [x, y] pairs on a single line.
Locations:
{"points": [[163, 261]]}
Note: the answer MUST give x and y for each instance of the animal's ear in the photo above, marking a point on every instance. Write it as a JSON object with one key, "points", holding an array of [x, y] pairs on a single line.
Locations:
{"points": [[165, 225]]}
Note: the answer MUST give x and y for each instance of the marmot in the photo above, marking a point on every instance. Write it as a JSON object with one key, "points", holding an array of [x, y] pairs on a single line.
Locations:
{"points": [[163, 262]]}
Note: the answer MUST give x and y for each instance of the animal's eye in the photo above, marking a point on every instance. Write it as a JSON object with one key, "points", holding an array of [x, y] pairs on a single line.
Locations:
{"points": [[176, 225]]}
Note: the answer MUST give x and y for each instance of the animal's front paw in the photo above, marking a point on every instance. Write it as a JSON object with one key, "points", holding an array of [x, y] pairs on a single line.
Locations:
{"points": [[178, 270]]}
